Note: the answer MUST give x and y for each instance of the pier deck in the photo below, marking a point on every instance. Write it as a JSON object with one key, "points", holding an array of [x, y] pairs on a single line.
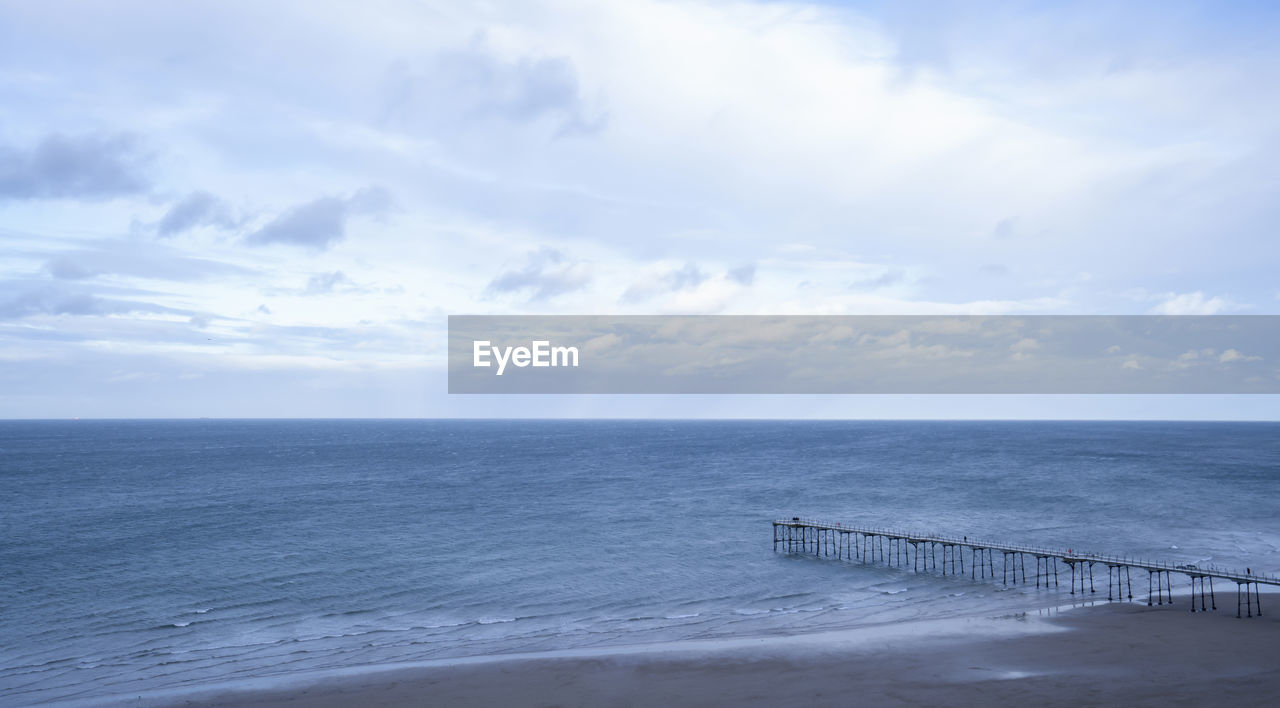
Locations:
{"points": [[920, 551]]}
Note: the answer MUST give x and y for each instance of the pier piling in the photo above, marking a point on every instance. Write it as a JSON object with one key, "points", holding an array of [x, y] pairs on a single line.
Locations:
{"points": [[847, 542]]}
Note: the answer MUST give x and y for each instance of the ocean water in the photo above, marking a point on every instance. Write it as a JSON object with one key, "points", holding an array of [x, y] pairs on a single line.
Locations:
{"points": [[151, 556]]}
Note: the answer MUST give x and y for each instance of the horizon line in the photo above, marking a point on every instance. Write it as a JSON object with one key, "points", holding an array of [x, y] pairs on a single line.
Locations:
{"points": [[641, 418]]}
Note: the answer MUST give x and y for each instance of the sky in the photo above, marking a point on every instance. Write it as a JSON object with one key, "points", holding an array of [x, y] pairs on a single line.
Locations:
{"points": [[249, 209]]}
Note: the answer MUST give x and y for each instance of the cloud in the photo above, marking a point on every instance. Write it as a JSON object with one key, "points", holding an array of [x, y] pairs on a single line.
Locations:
{"points": [[685, 277], [1231, 355], [1021, 349], [371, 201], [67, 267], [743, 275], [142, 259], [717, 135], [1206, 356], [320, 223], [196, 209], [322, 283], [884, 280], [74, 167], [604, 342], [317, 224], [1003, 230], [472, 85], [1194, 303], [52, 300], [547, 273]]}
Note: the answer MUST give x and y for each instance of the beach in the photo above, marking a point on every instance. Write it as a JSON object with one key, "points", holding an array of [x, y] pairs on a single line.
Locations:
{"points": [[1107, 654]]}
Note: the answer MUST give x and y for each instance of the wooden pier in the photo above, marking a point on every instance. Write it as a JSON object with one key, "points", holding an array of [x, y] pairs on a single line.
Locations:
{"points": [[920, 552]]}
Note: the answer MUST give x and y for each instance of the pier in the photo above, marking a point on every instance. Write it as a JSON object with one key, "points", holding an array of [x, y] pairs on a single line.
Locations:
{"points": [[920, 553]]}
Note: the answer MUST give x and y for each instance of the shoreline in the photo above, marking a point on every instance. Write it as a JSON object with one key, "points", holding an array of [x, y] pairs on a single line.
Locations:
{"points": [[1113, 652]]}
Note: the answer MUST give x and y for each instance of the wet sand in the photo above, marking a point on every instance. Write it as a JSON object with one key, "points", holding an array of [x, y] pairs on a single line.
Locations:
{"points": [[1109, 654]]}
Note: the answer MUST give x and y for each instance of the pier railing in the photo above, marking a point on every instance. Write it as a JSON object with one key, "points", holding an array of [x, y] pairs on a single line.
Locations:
{"points": [[804, 534]]}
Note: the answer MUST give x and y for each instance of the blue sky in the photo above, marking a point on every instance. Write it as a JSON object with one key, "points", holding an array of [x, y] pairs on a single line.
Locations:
{"points": [[240, 209]]}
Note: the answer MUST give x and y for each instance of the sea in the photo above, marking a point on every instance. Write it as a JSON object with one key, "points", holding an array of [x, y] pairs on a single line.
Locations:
{"points": [[153, 558]]}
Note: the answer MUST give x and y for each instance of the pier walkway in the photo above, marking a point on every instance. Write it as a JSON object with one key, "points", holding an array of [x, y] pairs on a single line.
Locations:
{"points": [[921, 551]]}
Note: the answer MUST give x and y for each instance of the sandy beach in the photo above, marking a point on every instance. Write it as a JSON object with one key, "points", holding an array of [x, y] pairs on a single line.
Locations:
{"points": [[1108, 654]]}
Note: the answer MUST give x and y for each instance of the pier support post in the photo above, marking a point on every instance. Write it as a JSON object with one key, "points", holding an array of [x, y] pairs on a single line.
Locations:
{"points": [[921, 552]]}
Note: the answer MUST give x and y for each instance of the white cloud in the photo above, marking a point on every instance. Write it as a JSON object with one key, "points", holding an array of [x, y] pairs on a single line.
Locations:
{"points": [[1194, 303], [659, 146], [1022, 349], [1231, 355], [546, 273]]}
